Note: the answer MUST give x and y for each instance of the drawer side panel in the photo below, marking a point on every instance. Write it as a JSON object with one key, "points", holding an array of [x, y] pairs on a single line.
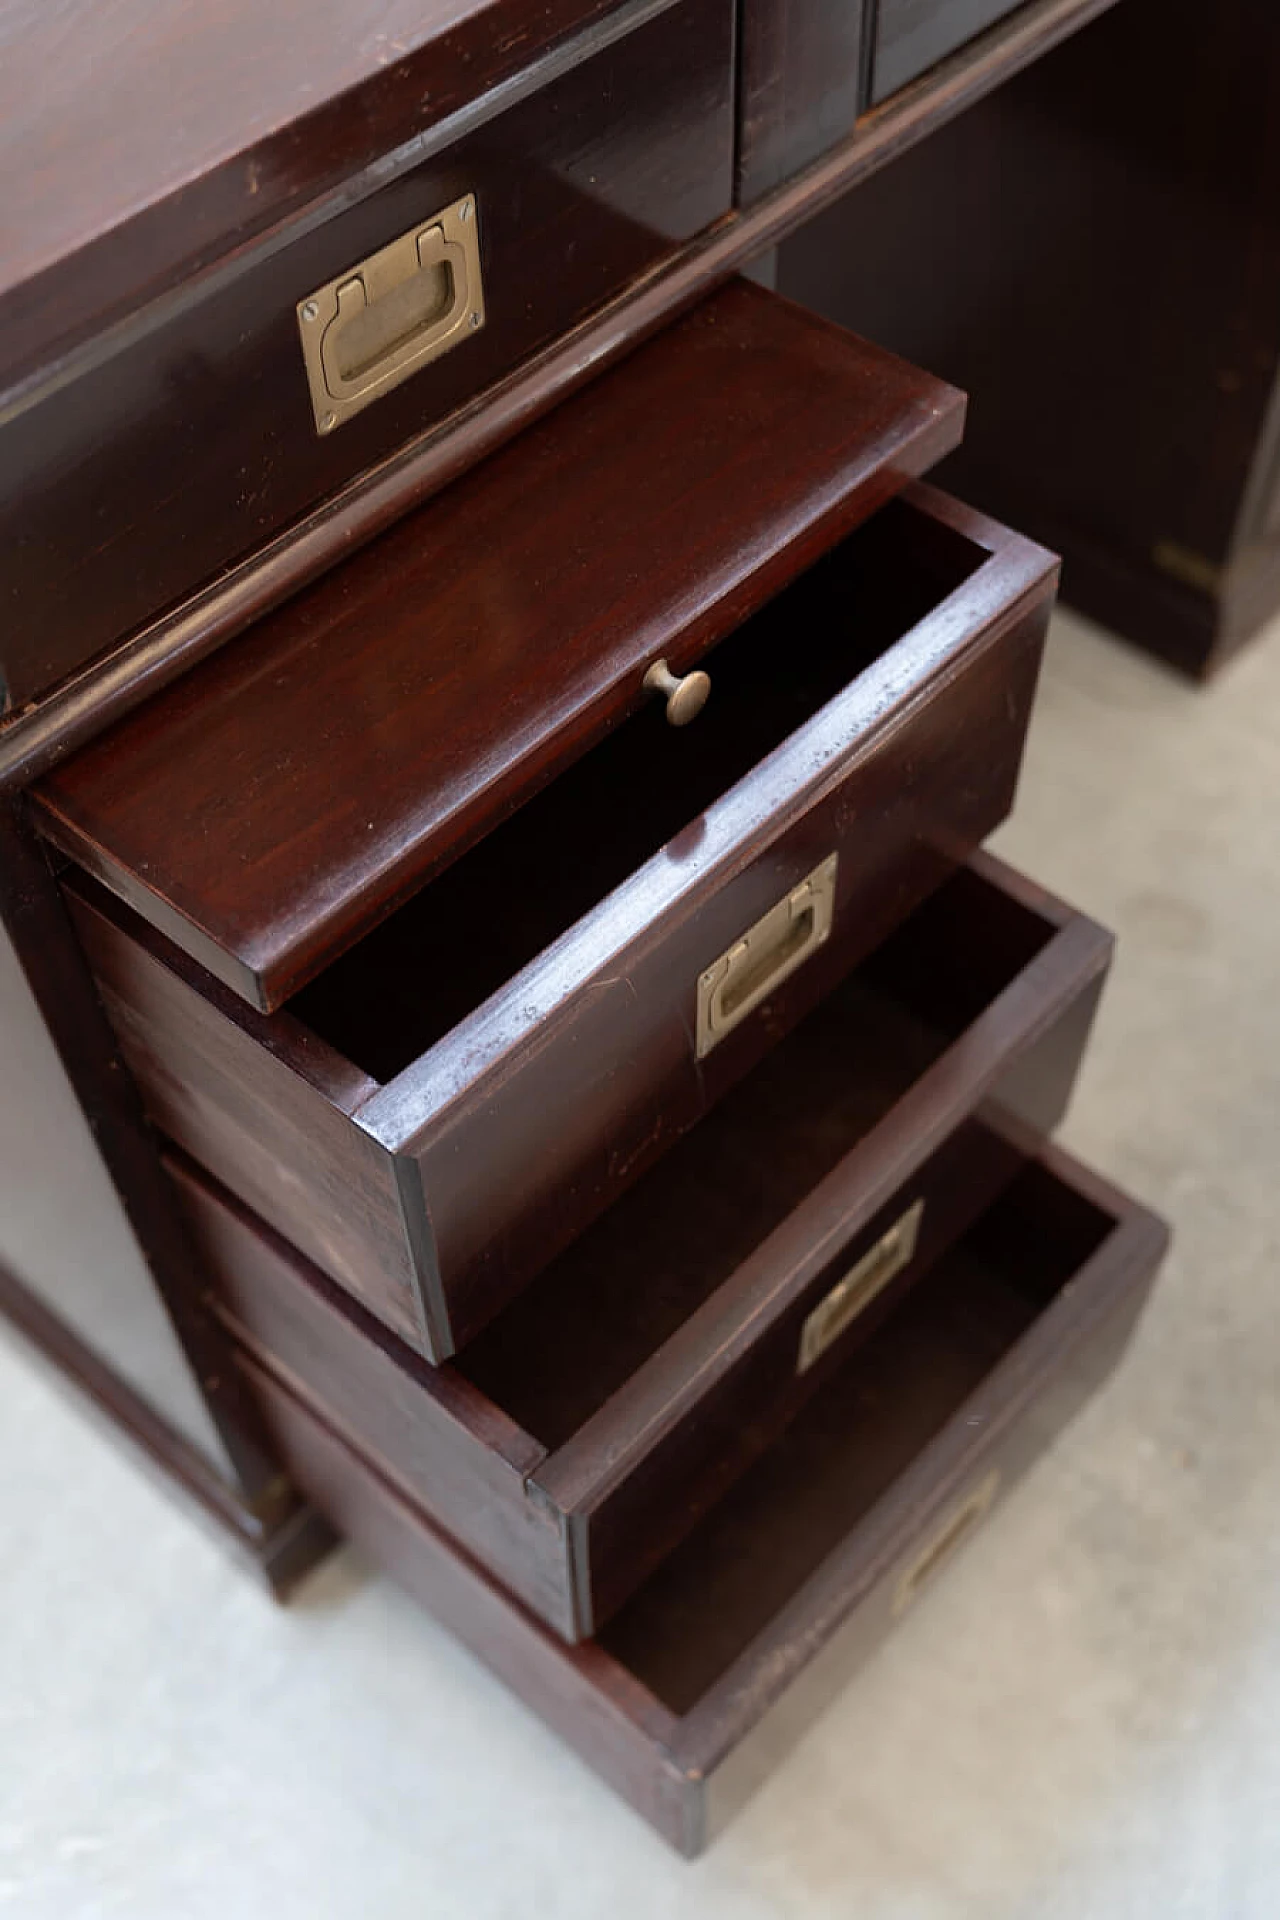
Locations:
{"points": [[613, 1722], [451, 1452], [284, 1147], [365, 734]]}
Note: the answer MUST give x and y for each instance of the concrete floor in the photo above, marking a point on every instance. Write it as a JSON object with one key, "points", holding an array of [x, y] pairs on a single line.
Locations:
{"points": [[1080, 1720]]}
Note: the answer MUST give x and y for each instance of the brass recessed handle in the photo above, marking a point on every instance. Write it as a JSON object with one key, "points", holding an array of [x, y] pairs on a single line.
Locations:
{"points": [[956, 1527], [865, 1281], [685, 697], [388, 315], [768, 953]]}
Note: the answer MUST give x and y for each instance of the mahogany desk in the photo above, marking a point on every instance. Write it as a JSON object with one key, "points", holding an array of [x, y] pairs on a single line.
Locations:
{"points": [[908, 169]]}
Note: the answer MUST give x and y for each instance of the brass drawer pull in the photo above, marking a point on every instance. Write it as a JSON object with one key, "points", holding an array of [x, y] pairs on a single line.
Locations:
{"points": [[685, 697], [955, 1529], [865, 1280], [382, 319], [735, 984]]}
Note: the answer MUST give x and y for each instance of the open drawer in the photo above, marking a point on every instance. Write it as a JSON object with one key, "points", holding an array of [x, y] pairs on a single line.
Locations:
{"points": [[712, 1670], [579, 1437], [282, 798], [450, 1102]]}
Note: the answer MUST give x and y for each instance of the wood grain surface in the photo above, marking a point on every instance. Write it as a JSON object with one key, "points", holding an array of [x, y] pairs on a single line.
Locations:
{"points": [[151, 141], [1149, 331], [437, 1437], [194, 1364], [269, 810], [710, 1674], [580, 1436], [800, 86], [440, 1114], [37, 737], [187, 441]]}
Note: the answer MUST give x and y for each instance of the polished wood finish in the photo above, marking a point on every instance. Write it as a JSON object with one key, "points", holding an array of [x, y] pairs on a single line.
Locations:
{"points": [[477, 1080], [577, 1440], [1147, 332], [32, 741], [800, 85], [36, 921], [361, 738], [149, 145], [279, 1548], [716, 1664], [910, 36], [189, 440], [600, 1418], [469, 1461]]}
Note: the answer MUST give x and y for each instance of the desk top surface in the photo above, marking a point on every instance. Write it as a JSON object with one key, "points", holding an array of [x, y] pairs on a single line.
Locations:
{"points": [[138, 141]]}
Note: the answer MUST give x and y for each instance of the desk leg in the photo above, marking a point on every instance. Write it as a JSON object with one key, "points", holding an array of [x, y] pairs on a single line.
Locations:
{"points": [[1093, 253], [207, 1436]]}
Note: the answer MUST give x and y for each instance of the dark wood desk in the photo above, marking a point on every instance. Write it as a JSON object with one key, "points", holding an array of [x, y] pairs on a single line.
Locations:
{"points": [[180, 458], [1093, 253], [129, 207]]}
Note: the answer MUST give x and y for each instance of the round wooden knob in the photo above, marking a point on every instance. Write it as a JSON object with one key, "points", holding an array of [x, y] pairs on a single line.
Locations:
{"points": [[685, 697]]}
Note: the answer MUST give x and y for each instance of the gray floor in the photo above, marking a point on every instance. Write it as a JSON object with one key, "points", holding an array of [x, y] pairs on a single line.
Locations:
{"points": [[1081, 1719]]}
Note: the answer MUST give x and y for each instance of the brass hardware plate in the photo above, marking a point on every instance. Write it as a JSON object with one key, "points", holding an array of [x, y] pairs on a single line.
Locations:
{"points": [[865, 1279], [956, 1528], [382, 319], [1193, 569], [766, 955]]}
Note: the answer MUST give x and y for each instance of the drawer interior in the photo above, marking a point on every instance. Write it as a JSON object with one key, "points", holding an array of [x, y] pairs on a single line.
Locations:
{"points": [[496, 908], [713, 1668], [754, 1551], [439, 676], [590, 1320]]}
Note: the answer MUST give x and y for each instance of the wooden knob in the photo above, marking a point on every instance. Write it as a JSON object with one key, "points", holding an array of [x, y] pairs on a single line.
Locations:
{"points": [[685, 697]]}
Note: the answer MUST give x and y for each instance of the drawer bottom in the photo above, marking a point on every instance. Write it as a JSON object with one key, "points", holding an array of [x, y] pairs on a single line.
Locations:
{"points": [[713, 1668]]}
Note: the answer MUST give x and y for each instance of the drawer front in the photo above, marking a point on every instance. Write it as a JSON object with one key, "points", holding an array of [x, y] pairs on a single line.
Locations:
{"points": [[913, 35], [743, 1729], [611, 1076], [436, 1195], [421, 691], [705, 1681], [576, 1442], [196, 442], [766, 1246], [801, 85]]}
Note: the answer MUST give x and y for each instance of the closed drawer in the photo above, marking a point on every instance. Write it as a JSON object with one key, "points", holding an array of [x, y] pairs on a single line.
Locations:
{"points": [[187, 438], [800, 85], [912, 35], [447, 1105], [702, 1683], [578, 1438]]}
